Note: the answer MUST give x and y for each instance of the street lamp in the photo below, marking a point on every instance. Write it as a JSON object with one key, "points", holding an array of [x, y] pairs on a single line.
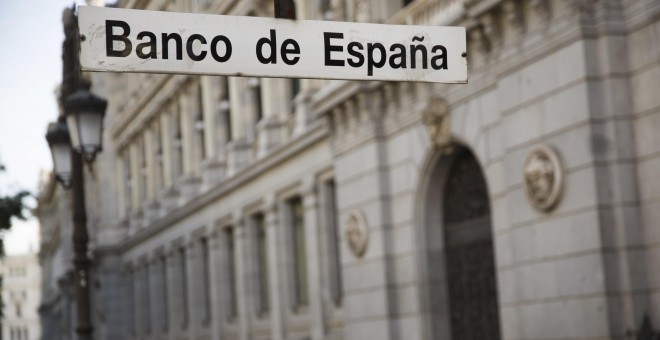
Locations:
{"points": [[84, 117], [60, 147], [70, 145]]}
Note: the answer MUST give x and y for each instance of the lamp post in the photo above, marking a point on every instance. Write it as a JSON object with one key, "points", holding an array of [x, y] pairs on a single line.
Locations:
{"points": [[84, 116], [80, 138]]}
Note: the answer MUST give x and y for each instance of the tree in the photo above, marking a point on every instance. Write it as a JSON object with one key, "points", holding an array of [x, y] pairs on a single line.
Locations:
{"points": [[10, 206]]}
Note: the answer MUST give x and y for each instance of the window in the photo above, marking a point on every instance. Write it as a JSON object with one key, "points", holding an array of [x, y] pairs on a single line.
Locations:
{"points": [[146, 301], [225, 108], [183, 277], [336, 288], [232, 294], [206, 277], [177, 143], [158, 144], [298, 252], [295, 89], [262, 264], [164, 294], [199, 124], [19, 312], [255, 84], [144, 174], [129, 303], [129, 181], [25, 334], [407, 2]]}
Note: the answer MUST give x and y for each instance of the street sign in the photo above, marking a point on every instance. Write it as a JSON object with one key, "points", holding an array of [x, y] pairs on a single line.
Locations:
{"points": [[123, 40]]}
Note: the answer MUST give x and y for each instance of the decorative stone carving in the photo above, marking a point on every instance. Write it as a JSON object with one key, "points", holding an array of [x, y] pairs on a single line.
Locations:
{"points": [[436, 117], [357, 233], [491, 29], [479, 39], [543, 178], [513, 14], [542, 8]]}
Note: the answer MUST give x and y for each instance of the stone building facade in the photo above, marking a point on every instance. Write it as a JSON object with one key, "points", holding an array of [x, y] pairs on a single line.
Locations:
{"points": [[21, 295], [523, 205]]}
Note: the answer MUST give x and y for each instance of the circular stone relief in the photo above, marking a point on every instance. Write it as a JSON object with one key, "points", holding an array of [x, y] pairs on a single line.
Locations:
{"points": [[543, 177], [357, 233]]}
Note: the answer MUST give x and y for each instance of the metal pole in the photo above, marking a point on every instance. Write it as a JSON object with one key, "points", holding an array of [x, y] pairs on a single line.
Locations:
{"points": [[81, 262], [285, 9]]}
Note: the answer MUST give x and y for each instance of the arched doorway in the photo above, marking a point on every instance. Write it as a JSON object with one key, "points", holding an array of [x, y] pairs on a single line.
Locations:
{"points": [[458, 263], [470, 263]]}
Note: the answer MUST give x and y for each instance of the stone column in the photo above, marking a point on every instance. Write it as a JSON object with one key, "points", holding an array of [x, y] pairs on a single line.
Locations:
{"points": [[314, 265], [135, 208], [240, 147], [187, 131], [124, 203], [166, 142], [168, 193], [151, 207], [277, 306], [304, 115]]}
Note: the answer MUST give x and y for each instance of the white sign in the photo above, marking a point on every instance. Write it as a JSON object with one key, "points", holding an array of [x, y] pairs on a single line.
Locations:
{"points": [[123, 40]]}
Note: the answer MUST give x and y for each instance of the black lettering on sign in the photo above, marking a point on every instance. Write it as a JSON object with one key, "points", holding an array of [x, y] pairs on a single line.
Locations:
{"points": [[413, 53], [177, 40], [401, 56], [110, 38], [353, 49], [151, 44], [439, 58], [214, 48], [189, 47], [272, 43], [295, 50], [332, 48], [371, 62]]}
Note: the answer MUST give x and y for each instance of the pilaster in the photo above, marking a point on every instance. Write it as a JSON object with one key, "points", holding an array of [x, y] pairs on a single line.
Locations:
{"points": [[314, 265]]}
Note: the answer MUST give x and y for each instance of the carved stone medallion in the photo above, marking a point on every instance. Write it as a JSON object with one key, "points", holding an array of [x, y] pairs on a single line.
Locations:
{"points": [[357, 233], [543, 177]]}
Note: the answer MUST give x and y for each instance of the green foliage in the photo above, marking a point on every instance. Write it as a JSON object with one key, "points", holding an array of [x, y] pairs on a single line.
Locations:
{"points": [[12, 206]]}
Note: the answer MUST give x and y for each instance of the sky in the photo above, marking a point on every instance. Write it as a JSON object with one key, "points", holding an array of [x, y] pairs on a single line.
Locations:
{"points": [[31, 37]]}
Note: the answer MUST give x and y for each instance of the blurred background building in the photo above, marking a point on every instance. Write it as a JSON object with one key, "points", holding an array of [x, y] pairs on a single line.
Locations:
{"points": [[21, 296], [523, 205]]}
